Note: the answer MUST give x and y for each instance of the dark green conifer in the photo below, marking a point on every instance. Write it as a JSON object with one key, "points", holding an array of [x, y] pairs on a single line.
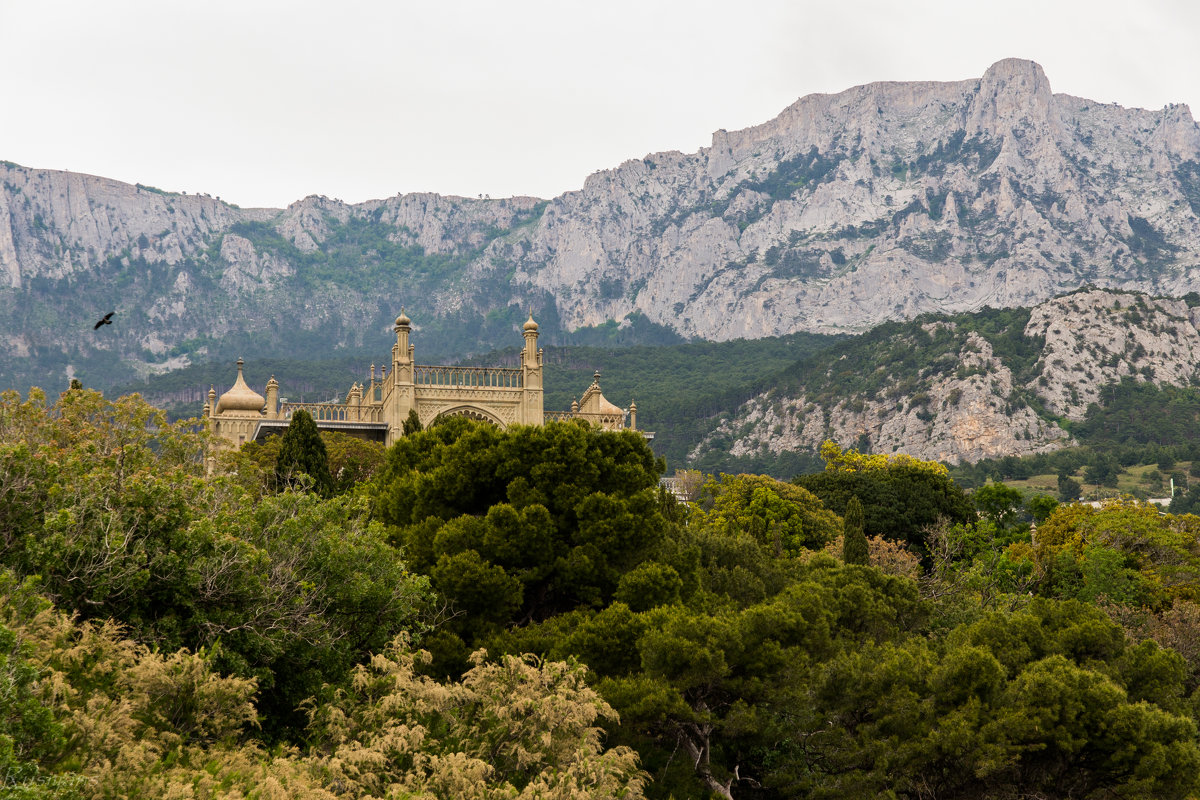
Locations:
{"points": [[302, 452], [413, 423], [1069, 489], [854, 540]]}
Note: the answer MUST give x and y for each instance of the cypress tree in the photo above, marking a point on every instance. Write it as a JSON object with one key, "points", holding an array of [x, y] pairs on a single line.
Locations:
{"points": [[854, 541], [413, 423], [302, 451]]}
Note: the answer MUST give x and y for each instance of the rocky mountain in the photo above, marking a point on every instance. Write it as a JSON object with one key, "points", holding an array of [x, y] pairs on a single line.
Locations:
{"points": [[960, 389], [879, 203]]}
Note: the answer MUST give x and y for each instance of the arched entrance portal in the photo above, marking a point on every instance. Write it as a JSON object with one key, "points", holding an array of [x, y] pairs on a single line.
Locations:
{"points": [[470, 412]]}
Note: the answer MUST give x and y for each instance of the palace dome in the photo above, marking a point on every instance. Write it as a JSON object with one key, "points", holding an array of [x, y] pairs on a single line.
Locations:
{"points": [[241, 397], [403, 320], [530, 325], [594, 401], [605, 407]]}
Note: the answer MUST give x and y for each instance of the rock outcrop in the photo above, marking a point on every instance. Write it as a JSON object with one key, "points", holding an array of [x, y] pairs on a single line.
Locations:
{"points": [[1096, 338], [951, 419], [960, 402]]}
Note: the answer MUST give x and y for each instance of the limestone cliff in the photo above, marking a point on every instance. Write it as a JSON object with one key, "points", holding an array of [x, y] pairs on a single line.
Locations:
{"points": [[1093, 339], [878, 203]]}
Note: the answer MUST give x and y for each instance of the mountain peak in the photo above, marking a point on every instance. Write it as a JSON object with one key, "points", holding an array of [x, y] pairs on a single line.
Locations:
{"points": [[1016, 69], [1012, 92]]}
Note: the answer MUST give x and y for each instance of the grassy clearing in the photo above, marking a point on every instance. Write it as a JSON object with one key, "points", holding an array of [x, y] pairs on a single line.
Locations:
{"points": [[1139, 480]]}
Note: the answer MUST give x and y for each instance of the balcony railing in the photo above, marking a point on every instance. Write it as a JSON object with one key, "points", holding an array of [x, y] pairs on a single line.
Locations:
{"points": [[333, 412], [599, 419], [469, 377]]}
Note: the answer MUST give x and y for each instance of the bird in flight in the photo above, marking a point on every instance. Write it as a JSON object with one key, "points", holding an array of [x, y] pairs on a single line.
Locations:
{"points": [[105, 320]]}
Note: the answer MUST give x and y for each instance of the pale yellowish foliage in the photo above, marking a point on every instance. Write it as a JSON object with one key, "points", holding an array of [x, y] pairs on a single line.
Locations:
{"points": [[689, 483], [145, 724], [138, 723], [837, 459], [520, 728]]}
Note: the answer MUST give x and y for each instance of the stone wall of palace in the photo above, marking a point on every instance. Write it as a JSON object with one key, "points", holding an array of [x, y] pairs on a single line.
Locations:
{"points": [[379, 409]]}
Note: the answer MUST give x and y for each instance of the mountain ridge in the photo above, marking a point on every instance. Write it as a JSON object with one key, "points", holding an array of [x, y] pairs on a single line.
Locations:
{"points": [[878, 203]]}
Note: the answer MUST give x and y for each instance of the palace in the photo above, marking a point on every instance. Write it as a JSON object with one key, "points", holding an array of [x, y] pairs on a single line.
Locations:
{"points": [[378, 409]]}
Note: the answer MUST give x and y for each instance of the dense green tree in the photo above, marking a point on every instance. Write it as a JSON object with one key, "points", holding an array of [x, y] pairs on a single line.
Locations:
{"points": [[999, 503], [721, 677], [313, 587], [786, 518], [303, 460], [1041, 506], [854, 541], [516, 525], [352, 461], [901, 497], [1069, 489], [1047, 702], [110, 510], [412, 423], [724, 684], [1103, 471]]}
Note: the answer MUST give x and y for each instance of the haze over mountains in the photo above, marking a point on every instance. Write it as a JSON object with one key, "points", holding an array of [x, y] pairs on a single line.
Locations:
{"points": [[878, 203]]}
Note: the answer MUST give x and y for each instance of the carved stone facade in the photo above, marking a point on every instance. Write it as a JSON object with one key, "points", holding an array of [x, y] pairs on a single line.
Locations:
{"points": [[378, 409]]}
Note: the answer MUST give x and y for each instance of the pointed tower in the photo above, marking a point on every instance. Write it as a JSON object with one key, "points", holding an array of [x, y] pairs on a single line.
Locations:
{"points": [[272, 398], [532, 410], [400, 393]]}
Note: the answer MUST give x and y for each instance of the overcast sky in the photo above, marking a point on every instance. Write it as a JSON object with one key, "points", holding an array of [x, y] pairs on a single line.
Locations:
{"points": [[263, 102]]}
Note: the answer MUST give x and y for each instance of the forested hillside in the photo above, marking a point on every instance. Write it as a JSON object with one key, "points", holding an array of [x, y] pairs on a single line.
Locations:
{"points": [[479, 613], [997, 383], [1087, 368]]}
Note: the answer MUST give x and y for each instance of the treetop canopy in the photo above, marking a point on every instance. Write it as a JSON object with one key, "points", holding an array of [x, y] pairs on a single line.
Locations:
{"points": [[838, 460]]}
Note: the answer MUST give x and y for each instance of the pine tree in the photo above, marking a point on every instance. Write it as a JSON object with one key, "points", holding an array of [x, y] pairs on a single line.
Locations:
{"points": [[1069, 489], [413, 423], [302, 452], [854, 541]]}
